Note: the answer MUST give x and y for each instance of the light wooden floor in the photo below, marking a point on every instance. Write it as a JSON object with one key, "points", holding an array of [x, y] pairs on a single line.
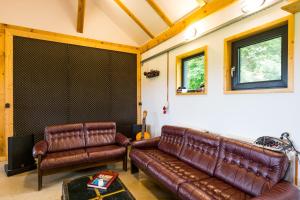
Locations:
{"points": [[24, 186]]}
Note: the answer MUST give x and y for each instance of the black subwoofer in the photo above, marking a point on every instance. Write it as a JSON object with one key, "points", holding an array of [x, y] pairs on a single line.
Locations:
{"points": [[135, 129], [20, 157]]}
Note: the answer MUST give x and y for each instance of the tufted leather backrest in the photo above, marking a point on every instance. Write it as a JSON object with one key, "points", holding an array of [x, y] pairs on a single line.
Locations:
{"points": [[99, 133], [172, 139], [201, 150], [249, 168], [64, 137]]}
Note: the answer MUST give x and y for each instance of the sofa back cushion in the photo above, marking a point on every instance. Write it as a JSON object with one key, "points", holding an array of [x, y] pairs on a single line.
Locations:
{"points": [[64, 137], [201, 150], [251, 169], [172, 139], [99, 133]]}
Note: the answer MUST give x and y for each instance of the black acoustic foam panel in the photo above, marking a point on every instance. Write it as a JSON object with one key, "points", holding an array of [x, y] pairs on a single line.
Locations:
{"points": [[40, 85], [58, 83]]}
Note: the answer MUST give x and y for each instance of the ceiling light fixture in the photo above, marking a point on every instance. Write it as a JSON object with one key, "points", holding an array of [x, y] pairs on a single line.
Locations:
{"points": [[190, 33], [251, 5]]}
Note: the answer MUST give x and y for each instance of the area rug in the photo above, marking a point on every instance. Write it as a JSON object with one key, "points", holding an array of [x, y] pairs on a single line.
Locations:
{"points": [[77, 190]]}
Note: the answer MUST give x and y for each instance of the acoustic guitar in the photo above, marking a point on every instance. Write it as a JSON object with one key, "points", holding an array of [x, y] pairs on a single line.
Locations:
{"points": [[143, 134]]}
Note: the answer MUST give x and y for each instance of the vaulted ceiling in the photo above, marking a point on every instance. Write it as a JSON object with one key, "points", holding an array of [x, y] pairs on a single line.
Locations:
{"points": [[141, 20], [140, 23]]}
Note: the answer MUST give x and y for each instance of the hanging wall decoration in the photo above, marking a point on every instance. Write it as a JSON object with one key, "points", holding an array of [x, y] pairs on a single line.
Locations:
{"points": [[152, 73]]}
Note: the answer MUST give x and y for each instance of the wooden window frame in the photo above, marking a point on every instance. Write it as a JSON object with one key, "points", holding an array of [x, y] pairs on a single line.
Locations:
{"points": [[228, 89], [179, 68]]}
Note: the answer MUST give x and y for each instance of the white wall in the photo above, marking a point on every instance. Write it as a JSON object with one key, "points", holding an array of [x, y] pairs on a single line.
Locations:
{"points": [[60, 16], [243, 116]]}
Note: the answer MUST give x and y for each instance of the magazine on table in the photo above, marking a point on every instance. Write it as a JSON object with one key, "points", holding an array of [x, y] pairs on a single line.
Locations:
{"points": [[103, 180]]}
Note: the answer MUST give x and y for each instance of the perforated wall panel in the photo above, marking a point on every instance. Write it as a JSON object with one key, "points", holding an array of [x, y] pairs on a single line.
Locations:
{"points": [[58, 83]]}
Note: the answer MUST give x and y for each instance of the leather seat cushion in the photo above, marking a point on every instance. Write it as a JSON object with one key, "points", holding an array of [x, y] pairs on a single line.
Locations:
{"points": [[249, 168], [173, 173], [64, 137], [99, 133], [142, 157], [201, 150], [105, 152], [64, 159], [210, 188], [172, 139]]}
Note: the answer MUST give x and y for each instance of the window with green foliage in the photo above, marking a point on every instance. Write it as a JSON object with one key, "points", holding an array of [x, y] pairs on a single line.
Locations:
{"points": [[260, 61], [193, 72]]}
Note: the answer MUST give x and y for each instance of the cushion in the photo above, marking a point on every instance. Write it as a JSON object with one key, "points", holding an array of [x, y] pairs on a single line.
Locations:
{"points": [[251, 169], [64, 159], [64, 137], [105, 152], [142, 157], [171, 174], [172, 139], [210, 188], [201, 150], [99, 133]]}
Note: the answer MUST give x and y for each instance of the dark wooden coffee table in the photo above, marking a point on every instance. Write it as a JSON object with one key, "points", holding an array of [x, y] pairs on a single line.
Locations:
{"points": [[77, 190]]}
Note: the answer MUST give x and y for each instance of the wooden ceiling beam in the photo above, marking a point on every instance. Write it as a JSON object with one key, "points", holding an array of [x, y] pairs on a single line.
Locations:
{"points": [[134, 18], [292, 7], [202, 12], [80, 15], [158, 10]]}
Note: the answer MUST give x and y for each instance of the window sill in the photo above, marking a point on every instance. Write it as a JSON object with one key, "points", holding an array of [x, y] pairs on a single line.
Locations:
{"points": [[190, 93], [260, 91]]}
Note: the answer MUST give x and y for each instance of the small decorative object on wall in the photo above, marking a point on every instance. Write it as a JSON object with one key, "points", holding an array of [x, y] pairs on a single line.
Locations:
{"points": [[165, 108], [152, 73]]}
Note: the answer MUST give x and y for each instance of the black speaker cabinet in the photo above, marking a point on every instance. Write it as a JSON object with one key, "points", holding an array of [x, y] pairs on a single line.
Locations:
{"points": [[135, 128], [20, 155]]}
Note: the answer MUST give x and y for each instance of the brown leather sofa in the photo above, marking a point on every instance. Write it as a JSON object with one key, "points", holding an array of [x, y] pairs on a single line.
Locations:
{"points": [[78, 146], [197, 165]]}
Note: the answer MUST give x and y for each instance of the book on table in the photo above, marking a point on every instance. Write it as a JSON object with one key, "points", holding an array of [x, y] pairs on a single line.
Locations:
{"points": [[103, 180]]}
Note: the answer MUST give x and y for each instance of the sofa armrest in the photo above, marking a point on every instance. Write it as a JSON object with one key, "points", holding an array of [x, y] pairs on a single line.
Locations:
{"points": [[281, 191], [122, 140], [40, 148], [146, 143]]}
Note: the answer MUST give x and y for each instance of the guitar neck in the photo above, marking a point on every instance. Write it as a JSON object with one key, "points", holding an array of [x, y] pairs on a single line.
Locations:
{"points": [[143, 127]]}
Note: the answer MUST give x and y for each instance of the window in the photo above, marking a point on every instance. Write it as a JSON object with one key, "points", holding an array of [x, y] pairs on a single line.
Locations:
{"points": [[261, 60], [191, 72]]}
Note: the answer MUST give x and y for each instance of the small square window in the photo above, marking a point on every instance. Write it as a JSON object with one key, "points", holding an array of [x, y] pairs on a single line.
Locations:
{"points": [[261, 61], [191, 72]]}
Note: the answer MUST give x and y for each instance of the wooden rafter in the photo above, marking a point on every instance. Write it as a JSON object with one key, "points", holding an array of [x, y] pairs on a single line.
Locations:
{"points": [[80, 15], [134, 18], [292, 7], [157, 9], [202, 12]]}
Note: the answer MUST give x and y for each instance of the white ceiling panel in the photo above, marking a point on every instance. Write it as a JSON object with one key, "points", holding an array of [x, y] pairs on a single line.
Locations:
{"points": [[176, 9], [122, 20], [144, 12], [104, 19]]}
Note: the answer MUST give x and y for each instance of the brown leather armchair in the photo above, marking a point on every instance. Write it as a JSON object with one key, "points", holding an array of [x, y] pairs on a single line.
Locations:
{"points": [[197, 165], [77, 146]]}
